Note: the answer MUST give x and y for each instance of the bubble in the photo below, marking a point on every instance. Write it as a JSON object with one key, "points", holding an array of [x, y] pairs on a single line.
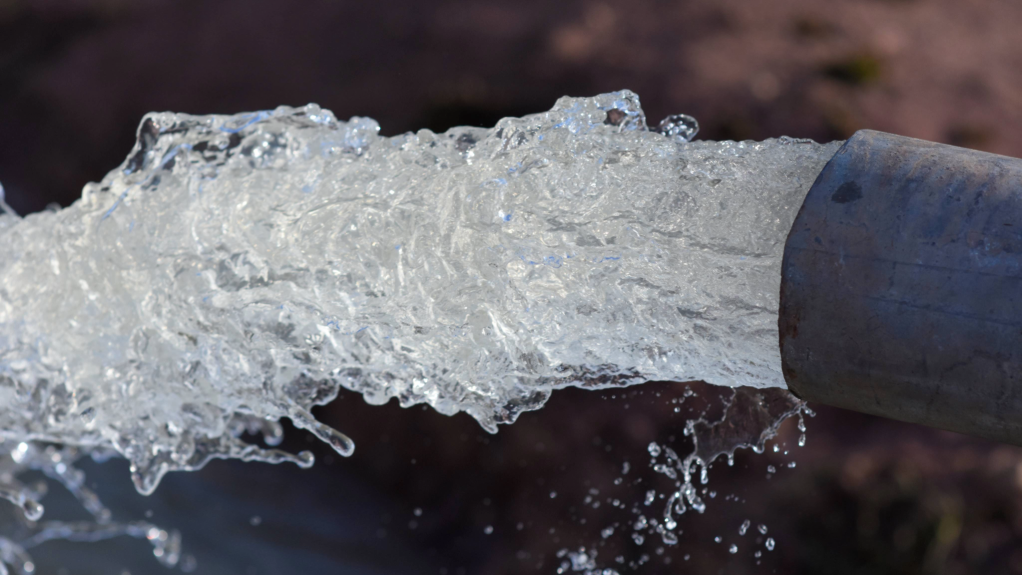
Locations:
{"points": [[680, 126]]}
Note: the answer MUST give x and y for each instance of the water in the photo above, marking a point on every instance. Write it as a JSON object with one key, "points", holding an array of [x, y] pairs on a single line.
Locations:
{"points": [[58, 464], [582, 561], [237, 270], [749, 418], [680, 126], [720, 421]]}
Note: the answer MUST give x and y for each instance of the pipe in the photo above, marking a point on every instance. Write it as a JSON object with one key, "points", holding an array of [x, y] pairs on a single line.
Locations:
{"points": [[901, 290]]}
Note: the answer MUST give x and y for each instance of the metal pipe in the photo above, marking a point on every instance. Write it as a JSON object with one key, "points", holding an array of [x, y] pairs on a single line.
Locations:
{"points": [[901, 291]]}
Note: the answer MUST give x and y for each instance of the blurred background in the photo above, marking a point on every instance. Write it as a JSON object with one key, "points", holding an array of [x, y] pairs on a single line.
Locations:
{"points": [[426, 493]]}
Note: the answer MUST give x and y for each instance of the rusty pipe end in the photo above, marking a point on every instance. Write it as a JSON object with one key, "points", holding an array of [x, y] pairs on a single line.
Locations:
{"points": [[901, 289]]}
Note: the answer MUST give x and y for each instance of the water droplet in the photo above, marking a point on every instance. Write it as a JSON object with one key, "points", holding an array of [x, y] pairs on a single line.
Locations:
{"points": [[770, 543], [717, 539], [681, 126], [733, 549], [341, 443], [638, 538], [255, 521], [33, 509], [553, 495], [654, 449], [488, 530], [607, 532], [669, 522], [273, 433], [417, 512], [669, 537], [19, 452]]}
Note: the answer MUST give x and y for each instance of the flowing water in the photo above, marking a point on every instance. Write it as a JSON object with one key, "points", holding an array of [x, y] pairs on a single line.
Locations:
{"points": [[237, 270]]}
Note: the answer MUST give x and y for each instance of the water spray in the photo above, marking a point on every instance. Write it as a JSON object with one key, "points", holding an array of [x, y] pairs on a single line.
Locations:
{"points": [[238, 270]]}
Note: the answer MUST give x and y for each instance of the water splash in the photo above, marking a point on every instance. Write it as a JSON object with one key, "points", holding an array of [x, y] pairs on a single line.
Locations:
{"points": [[581, 561], [237, 270], [58, 464], [719, 422], [244, 268], [749, 418]]}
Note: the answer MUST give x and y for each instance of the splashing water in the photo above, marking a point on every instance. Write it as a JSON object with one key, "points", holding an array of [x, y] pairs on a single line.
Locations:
{"points": [[58, 464], [237, 270], [582, 561], [748, 418], [247, 266]]}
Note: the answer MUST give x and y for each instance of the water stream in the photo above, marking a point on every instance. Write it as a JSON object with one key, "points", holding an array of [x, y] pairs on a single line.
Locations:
{"points": [[237, 270]]}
